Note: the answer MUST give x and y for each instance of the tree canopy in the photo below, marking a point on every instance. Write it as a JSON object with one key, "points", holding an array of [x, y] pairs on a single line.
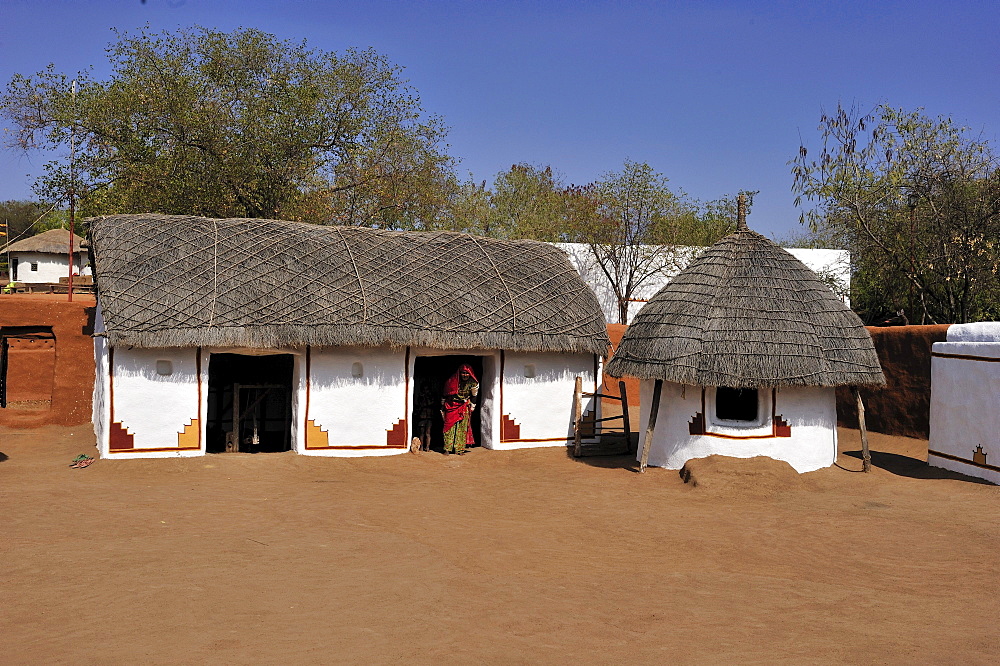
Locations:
{"points": [[237, 124], [917, 201]]}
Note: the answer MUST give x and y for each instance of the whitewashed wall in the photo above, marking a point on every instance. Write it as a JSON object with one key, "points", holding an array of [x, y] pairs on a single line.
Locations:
{"points": [[811, 412], [153, 408], [356, 412], [51, 267], [543, 405], [832, 264], [965, 401], [100, 404]]}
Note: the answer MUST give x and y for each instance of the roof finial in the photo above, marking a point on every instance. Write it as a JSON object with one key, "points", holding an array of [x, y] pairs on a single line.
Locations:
{"points": [[741, 213]]}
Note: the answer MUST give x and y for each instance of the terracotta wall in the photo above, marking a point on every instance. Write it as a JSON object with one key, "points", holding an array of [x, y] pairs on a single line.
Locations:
{"points": [[67, 373], [615, 332], [903, 406]]}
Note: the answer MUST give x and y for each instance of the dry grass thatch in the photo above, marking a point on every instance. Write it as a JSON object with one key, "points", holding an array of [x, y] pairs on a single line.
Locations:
{"points": [[53, 241], [747, 314], [167, 281]]}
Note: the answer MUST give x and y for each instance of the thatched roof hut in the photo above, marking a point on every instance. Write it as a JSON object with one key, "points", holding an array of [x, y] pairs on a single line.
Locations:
{"points": [[747, 314], [53, 241], [178, 281]]}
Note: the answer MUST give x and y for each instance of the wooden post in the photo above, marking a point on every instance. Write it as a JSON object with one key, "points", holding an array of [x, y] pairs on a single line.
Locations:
{"points": [[577, 416], [628, 429], [654, 407], [866, 456]]}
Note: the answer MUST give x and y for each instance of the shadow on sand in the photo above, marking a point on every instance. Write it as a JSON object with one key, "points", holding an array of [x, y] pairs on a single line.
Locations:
{"points": [[914, 468]]}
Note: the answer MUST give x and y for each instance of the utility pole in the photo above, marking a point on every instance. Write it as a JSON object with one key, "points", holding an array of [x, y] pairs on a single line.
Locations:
{"points": [[72, 192]]}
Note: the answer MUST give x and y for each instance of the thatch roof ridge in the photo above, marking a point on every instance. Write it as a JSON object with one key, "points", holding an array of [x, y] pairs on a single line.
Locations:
{"points": [[53, 241], [189, 281], [747, 314]]}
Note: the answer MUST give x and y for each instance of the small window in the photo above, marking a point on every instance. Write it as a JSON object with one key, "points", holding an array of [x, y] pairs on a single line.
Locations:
{"points": [[357, 370], [529, 371], [164, 367], [34, 265], [733, 404]]}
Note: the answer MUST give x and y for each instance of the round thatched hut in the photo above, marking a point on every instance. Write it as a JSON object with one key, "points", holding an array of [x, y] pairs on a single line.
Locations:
{"points": [[262, 335], [741, 352]]}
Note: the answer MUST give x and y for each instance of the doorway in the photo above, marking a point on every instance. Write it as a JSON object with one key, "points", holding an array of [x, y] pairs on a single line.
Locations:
{"points": [[27, 367], [249, 403], [429, 376]]}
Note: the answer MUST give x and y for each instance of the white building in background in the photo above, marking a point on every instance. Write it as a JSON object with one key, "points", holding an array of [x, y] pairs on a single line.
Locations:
{"points": [[44, 258], [261, 335], [965, 401], [832, 266]]}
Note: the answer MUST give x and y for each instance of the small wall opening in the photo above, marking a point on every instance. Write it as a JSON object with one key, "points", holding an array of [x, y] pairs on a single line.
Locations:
{"points": [[429, 376], [249, 403], [27, 367], [733, 404]]}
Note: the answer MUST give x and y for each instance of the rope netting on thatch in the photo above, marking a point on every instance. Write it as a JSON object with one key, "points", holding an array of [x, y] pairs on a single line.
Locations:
{"points": [[167, 281], [747, 314]]}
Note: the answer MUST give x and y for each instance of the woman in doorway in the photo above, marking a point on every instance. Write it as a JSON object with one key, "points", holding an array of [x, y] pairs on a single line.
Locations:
{"points": [[457, 402]]}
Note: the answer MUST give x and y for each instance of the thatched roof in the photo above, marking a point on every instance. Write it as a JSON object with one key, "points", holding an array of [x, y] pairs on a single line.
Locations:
{"points": [[167, 281], [53, 241], [747, 314]]}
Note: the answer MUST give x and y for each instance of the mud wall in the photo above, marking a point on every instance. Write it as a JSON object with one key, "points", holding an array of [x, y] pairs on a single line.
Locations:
{"points": [[71, 367], [903, 406]]}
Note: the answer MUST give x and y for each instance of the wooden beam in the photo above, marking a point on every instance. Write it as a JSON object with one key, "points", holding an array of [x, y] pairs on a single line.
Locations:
{"points": [[628, 428], [654, 407], [866, 456], [577, 416]]}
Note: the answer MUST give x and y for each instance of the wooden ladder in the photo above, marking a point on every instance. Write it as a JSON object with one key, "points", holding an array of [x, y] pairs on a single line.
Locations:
{"points": [[608, 444]]}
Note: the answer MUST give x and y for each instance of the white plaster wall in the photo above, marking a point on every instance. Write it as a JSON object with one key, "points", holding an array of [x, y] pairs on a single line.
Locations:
{"points": [[155, 408], [51, 267], [543, 405], [834, 264], [810, 411], [980, 331], [965, 405], [357, 411]]}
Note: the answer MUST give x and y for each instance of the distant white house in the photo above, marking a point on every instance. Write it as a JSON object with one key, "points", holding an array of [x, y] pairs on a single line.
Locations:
{"points": [[832, 266], [44, 258]]}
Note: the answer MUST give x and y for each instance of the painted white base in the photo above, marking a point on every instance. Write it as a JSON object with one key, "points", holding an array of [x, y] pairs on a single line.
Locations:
{"points": [[965, 402], [810, 412], [964, 468]]}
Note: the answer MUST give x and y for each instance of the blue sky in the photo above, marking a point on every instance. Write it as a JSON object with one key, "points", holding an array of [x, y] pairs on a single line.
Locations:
{"points": [[715, 95]]}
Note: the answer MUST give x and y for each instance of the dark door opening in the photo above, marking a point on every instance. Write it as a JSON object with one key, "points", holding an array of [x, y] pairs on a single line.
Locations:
{"points": [[249, 403], [429, 376], [27, 367]]}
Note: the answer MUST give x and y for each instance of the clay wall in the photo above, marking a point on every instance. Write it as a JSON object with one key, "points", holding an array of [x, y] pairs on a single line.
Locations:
{"points": [[903, 407], [38, 372]]}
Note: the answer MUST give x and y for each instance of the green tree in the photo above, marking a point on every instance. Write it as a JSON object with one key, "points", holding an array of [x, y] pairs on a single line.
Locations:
{"points": [[917, 201], [204, 122], [637, 229]]}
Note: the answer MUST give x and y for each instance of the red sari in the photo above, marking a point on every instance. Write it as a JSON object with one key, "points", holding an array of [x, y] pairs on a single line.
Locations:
{"points": [[456, 404]]}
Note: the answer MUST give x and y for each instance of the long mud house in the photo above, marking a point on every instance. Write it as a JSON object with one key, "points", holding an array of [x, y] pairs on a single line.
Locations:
{"points": [[263, 335]]}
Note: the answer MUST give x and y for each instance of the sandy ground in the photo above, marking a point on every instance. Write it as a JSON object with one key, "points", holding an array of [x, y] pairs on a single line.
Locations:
{"points": [[500, 557]]}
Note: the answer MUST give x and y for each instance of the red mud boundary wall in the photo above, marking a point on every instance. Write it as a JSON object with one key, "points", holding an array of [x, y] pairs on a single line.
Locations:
{"points": [[903, 407], [53, 377]]}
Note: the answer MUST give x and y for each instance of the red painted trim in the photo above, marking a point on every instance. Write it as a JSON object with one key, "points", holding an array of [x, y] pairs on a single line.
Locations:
{"points": [[966, 357], [948, 456], [111, 384], [503, 358], [541, 439], [406, 385], [166, 448], [197, 365], [361, 446]]}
